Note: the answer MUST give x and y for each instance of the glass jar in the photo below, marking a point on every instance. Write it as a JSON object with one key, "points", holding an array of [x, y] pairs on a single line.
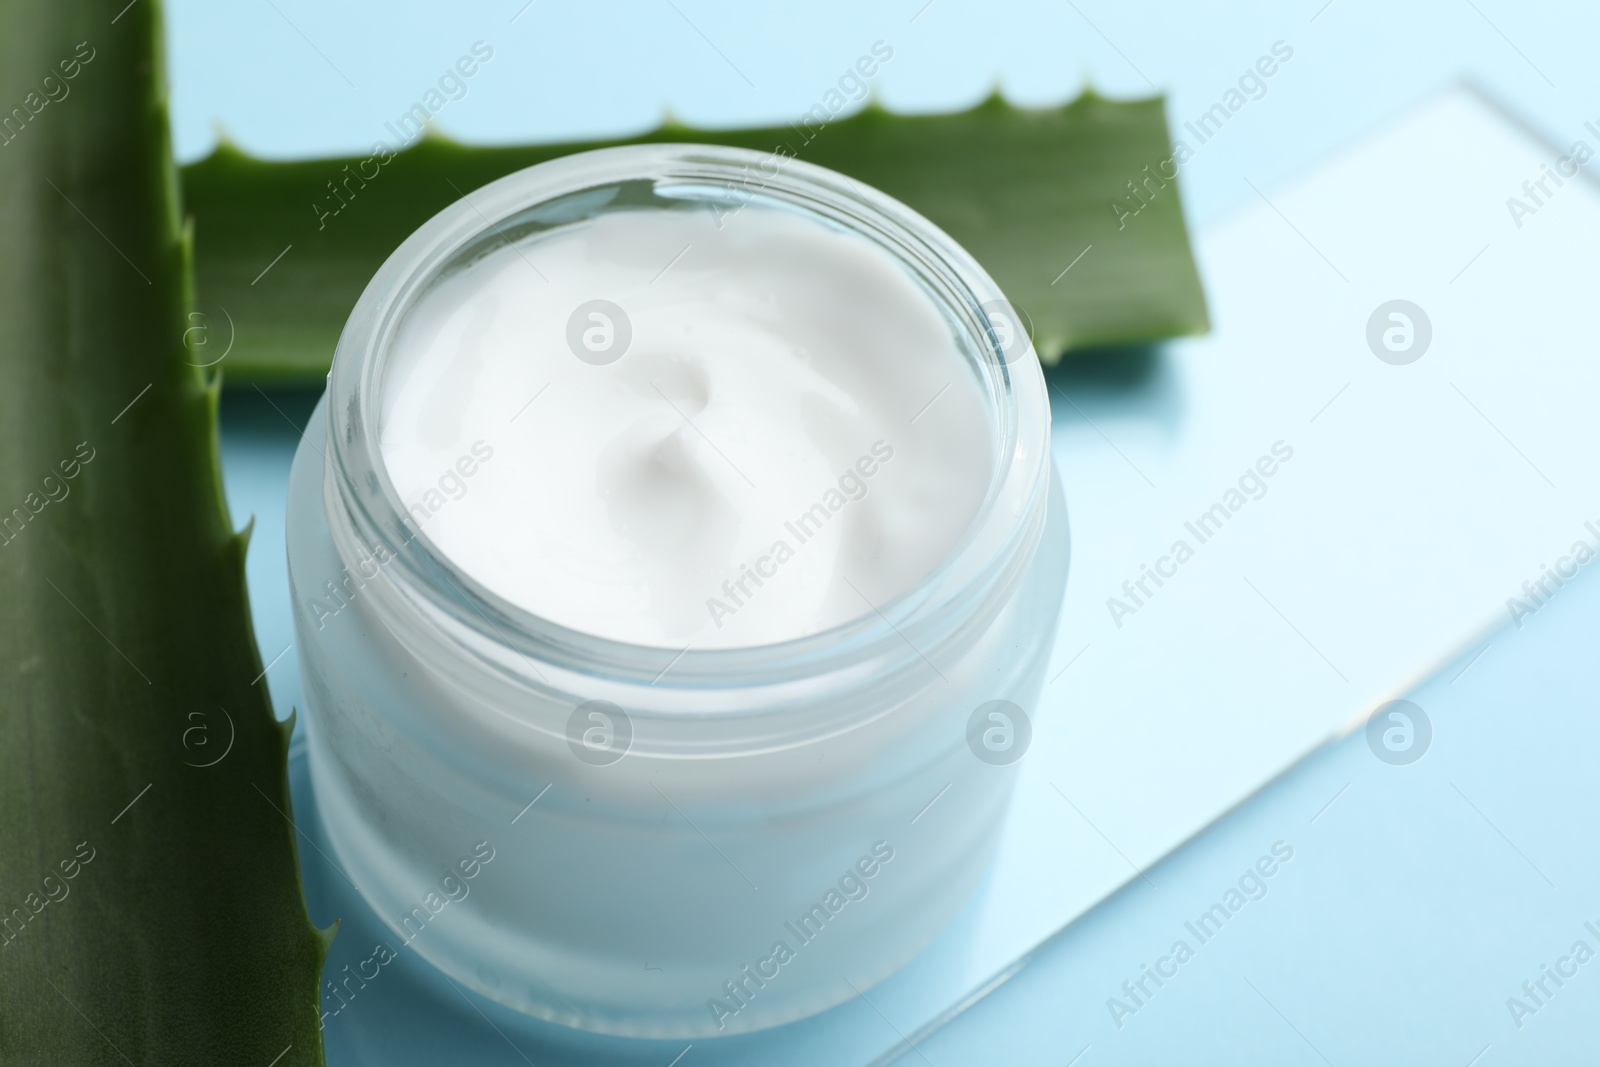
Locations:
{"points": [[642, 841]]}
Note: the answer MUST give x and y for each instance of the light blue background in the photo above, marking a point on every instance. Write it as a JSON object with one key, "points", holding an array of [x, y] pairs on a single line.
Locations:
{"points": [[565, 70], [1423, 896]]}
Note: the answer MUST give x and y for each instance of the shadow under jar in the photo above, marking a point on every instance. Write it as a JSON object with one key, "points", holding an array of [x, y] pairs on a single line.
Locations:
{"points": [[694, 828]]}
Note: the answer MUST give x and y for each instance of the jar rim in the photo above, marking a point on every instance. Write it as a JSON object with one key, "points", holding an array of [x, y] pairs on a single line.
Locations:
{"points": [[364, 508]]}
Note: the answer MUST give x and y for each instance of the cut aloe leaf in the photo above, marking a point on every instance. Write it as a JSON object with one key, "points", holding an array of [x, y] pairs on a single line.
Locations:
{"points": [[150, 904], [1042, 198]]}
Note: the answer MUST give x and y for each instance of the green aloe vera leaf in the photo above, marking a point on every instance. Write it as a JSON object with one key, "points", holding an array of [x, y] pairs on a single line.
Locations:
{"points": [[282, 250], [150, 903]]}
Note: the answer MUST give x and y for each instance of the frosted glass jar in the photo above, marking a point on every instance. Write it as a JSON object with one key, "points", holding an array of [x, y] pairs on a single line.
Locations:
{"points": [[657, 842]]}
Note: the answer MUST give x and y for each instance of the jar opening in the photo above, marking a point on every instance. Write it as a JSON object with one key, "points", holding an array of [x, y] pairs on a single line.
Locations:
{"points": [[376, 498]]}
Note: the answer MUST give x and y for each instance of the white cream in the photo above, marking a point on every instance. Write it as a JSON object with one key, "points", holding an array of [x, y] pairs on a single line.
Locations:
{"points": [[790, 438]]}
